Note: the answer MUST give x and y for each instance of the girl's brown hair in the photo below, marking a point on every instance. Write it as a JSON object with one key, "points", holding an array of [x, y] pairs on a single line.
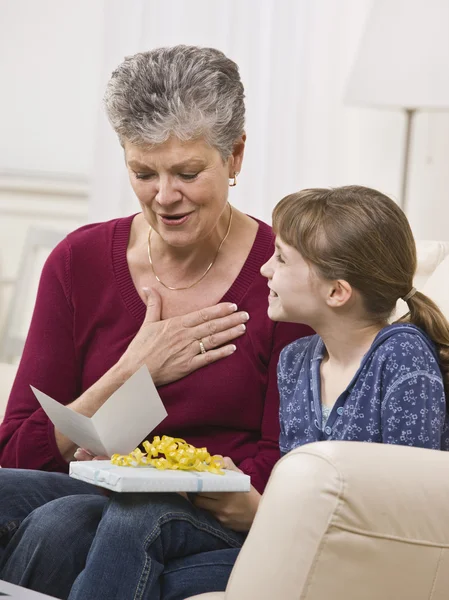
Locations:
{"points": [[360, 235]]}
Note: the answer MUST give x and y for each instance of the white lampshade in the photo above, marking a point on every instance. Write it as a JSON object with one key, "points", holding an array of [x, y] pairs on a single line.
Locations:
{"points": [[403, 58]]}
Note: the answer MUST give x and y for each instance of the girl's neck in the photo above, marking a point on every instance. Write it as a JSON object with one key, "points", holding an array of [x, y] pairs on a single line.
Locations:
{"points": [[347, 342]]}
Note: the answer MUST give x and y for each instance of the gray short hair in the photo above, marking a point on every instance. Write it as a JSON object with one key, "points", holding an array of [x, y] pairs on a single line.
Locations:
{"points": [[184, 91]]}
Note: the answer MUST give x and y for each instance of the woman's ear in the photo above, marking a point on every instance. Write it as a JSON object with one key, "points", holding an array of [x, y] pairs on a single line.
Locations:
{"points": [[339, 293], [236, 158]]}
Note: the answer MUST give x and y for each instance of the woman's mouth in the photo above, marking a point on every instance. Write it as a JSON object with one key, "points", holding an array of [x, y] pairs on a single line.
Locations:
{"points": [[272, 294], [174, 220]]}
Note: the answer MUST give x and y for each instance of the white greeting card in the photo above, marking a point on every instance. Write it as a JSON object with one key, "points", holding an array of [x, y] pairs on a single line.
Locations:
{"points": [[120, 425]]}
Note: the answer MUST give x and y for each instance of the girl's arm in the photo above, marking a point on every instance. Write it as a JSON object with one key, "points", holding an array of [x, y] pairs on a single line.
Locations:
{"points": [[413, 411]]}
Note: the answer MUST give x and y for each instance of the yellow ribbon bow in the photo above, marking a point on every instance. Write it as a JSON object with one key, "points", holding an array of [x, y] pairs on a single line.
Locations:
{"points": [[171, 453]]}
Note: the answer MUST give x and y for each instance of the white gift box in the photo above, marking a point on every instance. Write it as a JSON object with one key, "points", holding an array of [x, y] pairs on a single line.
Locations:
{"points": [[149, 479]]}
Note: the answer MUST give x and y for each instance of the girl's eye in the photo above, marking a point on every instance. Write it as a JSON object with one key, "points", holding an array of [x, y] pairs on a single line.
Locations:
{"points": [[279, 258], [188, 176], [143, 176]]}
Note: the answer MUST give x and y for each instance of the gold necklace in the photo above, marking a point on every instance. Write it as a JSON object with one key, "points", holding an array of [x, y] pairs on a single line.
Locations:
{"points": [[205, 272]]}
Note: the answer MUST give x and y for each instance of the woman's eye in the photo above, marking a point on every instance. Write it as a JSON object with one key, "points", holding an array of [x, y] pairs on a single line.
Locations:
{"points": [[144, 176], [188, 176], [279, 258]]}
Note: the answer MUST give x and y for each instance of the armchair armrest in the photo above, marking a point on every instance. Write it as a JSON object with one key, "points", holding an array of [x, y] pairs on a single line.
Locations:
{"points": [[349, 520]]}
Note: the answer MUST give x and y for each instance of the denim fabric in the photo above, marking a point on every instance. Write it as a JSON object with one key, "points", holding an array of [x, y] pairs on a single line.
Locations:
{"points": [[197, 574], [136, 545], [137, 536], [22, 491]]}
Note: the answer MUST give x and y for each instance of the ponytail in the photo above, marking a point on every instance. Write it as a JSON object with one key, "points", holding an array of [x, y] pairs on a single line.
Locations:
{"points": [[426, 315]]}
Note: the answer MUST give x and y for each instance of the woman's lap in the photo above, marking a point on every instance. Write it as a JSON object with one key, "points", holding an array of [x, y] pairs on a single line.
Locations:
{"points": [[22, 491], [49, 548], [56, 538], [165, 527]]}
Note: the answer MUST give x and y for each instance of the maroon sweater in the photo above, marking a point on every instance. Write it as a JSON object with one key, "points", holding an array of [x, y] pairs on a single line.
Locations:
{"points": [[88, 311]]}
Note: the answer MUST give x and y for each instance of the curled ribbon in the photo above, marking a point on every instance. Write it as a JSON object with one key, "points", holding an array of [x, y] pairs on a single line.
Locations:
{"points": [[171, 453]]}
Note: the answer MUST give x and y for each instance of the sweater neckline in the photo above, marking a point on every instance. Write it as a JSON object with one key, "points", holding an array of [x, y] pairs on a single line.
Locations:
{"points": [[257, 256]]}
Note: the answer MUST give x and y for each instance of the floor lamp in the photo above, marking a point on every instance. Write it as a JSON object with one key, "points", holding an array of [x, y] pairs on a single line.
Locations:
{"points": [[403, 62]]}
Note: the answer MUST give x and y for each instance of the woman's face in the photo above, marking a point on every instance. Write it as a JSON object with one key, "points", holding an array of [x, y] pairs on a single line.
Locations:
{"points": [[182, 187]]}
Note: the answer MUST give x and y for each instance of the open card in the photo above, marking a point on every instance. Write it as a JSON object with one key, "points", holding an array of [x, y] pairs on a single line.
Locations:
{"points": [[120, 425]]}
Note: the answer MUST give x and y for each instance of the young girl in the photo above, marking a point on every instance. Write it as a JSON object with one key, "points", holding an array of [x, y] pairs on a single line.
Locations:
{"points": [[343, 258]]}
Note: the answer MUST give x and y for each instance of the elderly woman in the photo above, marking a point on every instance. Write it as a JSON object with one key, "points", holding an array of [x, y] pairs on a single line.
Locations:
{"points": [[174, 288]]}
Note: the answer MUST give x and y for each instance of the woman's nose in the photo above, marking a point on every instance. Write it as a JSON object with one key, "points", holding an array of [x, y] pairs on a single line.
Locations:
{"points": [[167, 192]]}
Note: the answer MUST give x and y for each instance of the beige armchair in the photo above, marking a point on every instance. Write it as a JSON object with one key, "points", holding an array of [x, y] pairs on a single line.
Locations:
{"points": [[353, 521], [349, 521]]}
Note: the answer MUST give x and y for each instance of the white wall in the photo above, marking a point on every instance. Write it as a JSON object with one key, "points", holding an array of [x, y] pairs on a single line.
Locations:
{"points": [[51, 55], [294, 56], [50, 60]]}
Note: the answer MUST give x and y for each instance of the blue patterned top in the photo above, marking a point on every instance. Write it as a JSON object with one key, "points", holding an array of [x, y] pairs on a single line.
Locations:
{"points": [[396, 396]]}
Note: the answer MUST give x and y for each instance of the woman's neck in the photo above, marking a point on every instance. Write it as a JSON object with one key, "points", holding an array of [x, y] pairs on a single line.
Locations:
{"points": [[194, 256]]}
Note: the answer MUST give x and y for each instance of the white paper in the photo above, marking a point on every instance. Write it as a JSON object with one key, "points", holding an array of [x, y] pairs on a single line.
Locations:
{"points": [[124, 420], [148, 479], [8, 591]]}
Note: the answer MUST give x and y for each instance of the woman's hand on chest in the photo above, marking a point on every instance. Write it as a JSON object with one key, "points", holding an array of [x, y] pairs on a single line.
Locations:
{"points": [[175, 347]]}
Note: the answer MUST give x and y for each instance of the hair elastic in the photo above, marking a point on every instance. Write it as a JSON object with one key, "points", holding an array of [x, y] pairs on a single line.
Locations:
{"points": [[411, 293]]}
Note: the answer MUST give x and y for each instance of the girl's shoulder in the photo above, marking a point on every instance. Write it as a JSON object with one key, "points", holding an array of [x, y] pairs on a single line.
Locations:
{"points": [[403, 347], [403, 337], [297, 350]]}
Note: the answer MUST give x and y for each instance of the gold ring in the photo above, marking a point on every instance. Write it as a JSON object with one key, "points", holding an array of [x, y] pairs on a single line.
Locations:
{"points": [[202, 348]]}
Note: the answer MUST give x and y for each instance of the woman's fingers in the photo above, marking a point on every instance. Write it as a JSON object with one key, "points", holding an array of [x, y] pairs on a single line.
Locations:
{"points": [[208, 314], [215, 336], [224, 325], [82, 454], [215, 340], [154, 305], [211, 356], [230, 465], [171, 349]]}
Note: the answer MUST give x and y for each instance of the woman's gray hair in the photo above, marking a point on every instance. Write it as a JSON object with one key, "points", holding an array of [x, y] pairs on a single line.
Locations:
{"points": [[184, 91]]}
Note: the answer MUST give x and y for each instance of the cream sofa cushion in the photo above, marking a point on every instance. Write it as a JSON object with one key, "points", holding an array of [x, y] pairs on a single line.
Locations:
{"points": [[430, 255], [432, 276], [437, 286]]}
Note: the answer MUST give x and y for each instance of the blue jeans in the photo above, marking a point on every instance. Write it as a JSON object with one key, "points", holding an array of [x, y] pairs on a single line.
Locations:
{"points": [[66, 538]]}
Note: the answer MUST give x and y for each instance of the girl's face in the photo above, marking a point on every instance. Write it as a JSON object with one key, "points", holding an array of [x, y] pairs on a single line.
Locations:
{"points": [[297, 294]]}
